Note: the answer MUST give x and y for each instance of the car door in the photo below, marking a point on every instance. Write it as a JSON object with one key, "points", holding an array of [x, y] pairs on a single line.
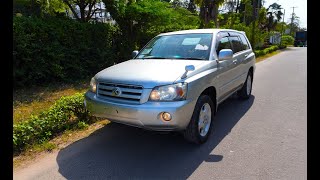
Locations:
{"points": [[226, 68], [246, 56], [239, 55]]}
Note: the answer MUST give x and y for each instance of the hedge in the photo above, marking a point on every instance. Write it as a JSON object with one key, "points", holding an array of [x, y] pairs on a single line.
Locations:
{"points": [[266, 50], [66, 113], [287, 40], [59, 49]]}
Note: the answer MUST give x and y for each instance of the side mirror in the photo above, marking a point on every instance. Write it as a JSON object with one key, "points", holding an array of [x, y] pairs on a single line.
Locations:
{"points": [[187, 68], [134, 53], [225, 54]]}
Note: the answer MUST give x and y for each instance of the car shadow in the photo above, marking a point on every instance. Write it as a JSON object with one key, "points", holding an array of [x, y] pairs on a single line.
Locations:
{"points": [[117, 151]]}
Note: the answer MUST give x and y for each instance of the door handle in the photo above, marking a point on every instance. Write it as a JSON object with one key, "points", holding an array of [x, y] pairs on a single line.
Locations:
{"points": [[246, 55], [234, 61]]}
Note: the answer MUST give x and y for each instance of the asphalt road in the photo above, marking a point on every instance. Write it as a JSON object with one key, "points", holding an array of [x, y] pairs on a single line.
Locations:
{"points": [[262, 138]]}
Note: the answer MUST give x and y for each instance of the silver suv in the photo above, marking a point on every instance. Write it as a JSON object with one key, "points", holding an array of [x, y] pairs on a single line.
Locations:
{"points": [[176, 82]]}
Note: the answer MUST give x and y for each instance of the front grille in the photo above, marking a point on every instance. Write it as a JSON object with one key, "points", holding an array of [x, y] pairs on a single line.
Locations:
{"points": [[129, 93]]}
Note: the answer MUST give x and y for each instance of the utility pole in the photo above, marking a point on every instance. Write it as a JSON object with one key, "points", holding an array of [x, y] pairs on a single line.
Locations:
{"points": [[292, 18]]}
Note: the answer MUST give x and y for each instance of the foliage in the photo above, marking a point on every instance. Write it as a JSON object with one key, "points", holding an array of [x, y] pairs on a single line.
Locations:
{"points": [[52, 7], [209, 11], [59, 50], [67, 112], [26, 7], [266, 50], [39, 7], [287, 40], [83, 5], [274, 15], [139, 21]]}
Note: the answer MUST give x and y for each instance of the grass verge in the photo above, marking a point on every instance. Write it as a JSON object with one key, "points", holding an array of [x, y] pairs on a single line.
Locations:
{"points": [[261, 58], [32, 101], [63, 140]]}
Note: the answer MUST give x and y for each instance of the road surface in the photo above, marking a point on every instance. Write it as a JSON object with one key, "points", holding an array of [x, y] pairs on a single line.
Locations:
{"points": [[262, 138]]}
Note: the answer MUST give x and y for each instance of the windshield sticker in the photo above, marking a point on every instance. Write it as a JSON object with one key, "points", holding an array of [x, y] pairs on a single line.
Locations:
{"points": [[191, 41], [201, 47]]}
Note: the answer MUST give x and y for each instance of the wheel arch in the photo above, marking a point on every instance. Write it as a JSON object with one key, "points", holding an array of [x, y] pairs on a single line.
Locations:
{"points": [[212, 93]]}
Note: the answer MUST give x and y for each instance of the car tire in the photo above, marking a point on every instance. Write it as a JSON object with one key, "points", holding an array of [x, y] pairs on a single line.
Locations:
{"points": [[201, 121], [245, 91]]}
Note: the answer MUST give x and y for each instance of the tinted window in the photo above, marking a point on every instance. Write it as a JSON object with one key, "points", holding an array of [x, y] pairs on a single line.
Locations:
{"points": [[236, 44], [223, 43], [244, 42]]}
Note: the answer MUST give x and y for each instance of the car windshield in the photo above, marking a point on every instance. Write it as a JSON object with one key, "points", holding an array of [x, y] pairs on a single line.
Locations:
{"points": [[179, 46]]}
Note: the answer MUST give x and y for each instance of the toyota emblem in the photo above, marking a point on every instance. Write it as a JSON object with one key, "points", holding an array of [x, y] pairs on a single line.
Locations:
{"points": [[116, 91]]}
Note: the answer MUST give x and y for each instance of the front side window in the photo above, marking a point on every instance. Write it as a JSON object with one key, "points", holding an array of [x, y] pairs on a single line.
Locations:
{"points": [[223, 43], [178, 46], [236, 44]]}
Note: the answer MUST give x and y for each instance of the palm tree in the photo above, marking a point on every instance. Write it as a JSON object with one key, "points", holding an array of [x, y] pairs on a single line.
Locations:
{"points": [[209, 11], [274, 15]]}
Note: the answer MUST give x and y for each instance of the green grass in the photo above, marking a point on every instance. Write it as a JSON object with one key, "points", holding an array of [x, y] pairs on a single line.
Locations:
{"points": [[32, 101], [261, 58], [45, 146], [64, 139]]}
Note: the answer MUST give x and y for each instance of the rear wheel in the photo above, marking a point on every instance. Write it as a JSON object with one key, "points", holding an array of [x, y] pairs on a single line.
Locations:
{"points": [[245, 91], [200, 124]]}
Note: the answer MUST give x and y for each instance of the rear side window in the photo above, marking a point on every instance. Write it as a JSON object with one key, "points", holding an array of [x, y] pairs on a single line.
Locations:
{"points": [[244, 42], [236, 44], [223, 43]]}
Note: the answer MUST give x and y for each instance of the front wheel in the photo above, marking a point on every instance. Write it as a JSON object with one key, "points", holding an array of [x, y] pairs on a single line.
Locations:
{"points": [[245, 91], [200, 124]]}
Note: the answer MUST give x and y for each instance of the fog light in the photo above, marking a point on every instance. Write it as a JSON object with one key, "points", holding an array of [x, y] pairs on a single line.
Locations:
{"points": [[166, 116]]}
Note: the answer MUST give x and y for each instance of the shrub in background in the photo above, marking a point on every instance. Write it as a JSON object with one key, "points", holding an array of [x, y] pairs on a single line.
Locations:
{"points": [[59, 49], [266, 50], [287, 40]]}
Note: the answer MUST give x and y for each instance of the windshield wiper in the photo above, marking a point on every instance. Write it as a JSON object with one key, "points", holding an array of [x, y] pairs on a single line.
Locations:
{"points": [[189, 58]]}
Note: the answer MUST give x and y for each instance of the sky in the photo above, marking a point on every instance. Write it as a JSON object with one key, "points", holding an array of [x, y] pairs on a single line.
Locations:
{"points": [[300, 10]]}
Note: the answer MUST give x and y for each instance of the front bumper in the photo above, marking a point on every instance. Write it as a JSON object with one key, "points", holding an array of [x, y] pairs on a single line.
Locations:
{"points": [[144, 115]]}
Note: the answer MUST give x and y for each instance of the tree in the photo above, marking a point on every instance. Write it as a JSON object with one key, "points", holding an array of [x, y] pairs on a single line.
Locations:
{"points": [[209, 11], [294, 25], [85, 16], [274, 15], [179, 3], [52, 7], [141, 20], [192, 6]]}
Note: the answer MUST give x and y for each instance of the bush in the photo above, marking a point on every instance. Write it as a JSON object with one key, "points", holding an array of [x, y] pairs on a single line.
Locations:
{"points": [[59, 50], [66, 113], [265, 51], [287, 40], [258, 53], [282, 46]]}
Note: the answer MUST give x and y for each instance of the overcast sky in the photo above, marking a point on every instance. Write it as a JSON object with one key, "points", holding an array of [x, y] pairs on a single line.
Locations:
{"points": [[300, 10]]}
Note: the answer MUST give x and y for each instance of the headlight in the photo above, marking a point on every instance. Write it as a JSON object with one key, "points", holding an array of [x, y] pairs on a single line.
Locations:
{"points": [[93, 85], [175, 92]]}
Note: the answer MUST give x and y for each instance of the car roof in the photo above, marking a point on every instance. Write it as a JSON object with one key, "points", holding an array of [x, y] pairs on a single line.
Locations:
{"points": [[190, 31]]}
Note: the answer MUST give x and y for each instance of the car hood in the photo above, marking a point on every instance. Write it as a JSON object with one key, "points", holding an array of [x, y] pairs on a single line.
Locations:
{"points": [[147, 73]]}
